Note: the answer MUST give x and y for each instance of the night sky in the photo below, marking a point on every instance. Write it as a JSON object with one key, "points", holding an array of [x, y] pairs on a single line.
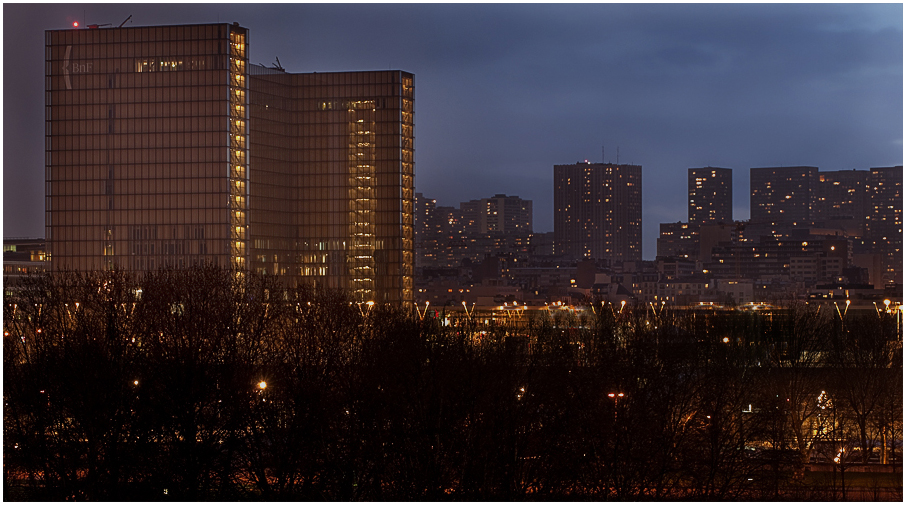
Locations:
{"points": [[504, 92]]}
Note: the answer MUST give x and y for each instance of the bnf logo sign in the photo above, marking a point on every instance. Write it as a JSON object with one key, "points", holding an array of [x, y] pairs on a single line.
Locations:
{"points": [[77, 68]]}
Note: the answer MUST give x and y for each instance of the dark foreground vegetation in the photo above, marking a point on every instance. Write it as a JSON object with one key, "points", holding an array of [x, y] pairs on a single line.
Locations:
{"points": [[204, 384]]}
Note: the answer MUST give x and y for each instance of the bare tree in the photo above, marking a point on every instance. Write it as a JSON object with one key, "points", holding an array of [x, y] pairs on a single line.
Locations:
{"points": [[864, 362], [795, 342], [205, 383]]}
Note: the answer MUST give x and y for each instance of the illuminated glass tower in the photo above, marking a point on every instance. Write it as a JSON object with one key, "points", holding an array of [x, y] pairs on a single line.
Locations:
{"points": [[165, 147], [332, 184], [147, 148]]}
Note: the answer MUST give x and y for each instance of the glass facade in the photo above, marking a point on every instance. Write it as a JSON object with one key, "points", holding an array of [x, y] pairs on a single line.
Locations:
{"points": [[332, 187], [165, 147], [142, 153]]}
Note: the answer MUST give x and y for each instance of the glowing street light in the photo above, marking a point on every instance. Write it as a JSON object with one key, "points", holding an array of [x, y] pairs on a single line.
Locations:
{"points": [[262, 385], [616, 400], [369, 303], [421, 313]]}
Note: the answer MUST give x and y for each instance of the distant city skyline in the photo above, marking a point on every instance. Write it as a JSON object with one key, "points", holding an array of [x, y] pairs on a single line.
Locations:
{"points": [[507, 91]]}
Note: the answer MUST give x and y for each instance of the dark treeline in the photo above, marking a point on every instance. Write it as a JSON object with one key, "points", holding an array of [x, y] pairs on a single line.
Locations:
{"points": [[205, 384]]}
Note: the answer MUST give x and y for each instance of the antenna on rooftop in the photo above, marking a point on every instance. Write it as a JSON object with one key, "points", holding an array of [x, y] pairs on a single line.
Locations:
{"points": [[278, 66], [124, 21]]}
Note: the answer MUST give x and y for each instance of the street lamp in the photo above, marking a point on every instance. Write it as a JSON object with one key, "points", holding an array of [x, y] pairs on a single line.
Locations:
{"points": [[616, 400], [369, 303], [900, 311], [469, 312], [262, 385], [421, 314]]}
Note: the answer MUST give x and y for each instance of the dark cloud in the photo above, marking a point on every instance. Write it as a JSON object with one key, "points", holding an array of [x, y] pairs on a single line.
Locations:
{"points": [[504, 92]]}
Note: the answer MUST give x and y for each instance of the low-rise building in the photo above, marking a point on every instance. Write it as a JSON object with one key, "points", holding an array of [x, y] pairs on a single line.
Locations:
{"points": [[686, 290], [22, 257]]}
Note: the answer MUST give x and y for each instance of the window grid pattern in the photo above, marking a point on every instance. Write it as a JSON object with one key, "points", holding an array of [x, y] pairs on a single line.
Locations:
{"points": [[332, 185], [137, 146], [238, 184], [361, 197], [407, 184]]}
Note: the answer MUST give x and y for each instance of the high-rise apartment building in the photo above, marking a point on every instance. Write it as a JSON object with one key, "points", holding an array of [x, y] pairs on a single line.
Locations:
{"points": [[425, 217], [678, 239], [842, 195], [499, 214], [166, 147], [710, 195], [783, 194], [598, 211], [438, 235], [885, 226], [470, 216]]}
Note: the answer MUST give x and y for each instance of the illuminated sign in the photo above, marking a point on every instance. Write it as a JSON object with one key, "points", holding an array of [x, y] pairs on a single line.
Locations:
{"points": [[77, 68]]}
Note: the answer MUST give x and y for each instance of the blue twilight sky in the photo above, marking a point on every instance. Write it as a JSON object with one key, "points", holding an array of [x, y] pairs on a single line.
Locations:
{"points": [[506, 91]]}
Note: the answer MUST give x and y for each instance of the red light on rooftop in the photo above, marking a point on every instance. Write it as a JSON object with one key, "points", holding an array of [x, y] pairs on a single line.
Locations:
{"points": [[75, 24]]}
